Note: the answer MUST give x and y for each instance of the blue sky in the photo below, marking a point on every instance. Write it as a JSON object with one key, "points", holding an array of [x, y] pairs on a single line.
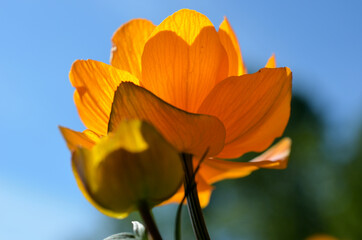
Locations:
{"points": [[319, 40]]}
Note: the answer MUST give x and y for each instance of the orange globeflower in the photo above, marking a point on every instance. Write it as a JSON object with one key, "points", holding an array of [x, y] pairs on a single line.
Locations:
{"points": [[190, 82]]}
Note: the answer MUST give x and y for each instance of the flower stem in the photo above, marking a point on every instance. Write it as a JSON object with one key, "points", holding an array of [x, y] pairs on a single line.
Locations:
{"points": [[193, 203], [149, 221]]}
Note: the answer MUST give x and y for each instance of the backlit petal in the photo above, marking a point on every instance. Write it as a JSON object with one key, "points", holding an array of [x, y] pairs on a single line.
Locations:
{"points": [[76, 139], [214, 170], [190, 133], [271, 62], [92, 135], [95, 83], [277, 156], [230, 42], [128, 43], [186, 23], [183, 60], [254, 108]]}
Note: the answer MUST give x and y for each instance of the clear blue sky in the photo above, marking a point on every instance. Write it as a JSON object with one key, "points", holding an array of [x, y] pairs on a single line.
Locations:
{"points": [[319, 40]]}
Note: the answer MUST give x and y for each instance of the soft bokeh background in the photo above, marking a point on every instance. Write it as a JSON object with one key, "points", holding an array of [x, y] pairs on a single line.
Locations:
{"points": [[320, 192]]}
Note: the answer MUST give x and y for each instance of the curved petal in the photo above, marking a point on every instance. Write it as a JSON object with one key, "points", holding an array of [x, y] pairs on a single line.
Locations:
{"points": [[186, 23], [183, 60], [277, 156], [254, 108], [134, 163], [75, 139], [79, 169], [204, 191], [191, 133], [95, 83], [271, 62], [128, 43], [214, 170], [230, 42]]}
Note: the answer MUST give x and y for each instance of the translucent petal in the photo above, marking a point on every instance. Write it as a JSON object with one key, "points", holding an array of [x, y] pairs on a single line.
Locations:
{"points": [[190, 133], [254, 109], [128, 43]]}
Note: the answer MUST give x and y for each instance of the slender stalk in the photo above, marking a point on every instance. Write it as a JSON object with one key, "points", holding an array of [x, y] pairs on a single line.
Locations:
{"points": [[149, 221], [193, 203]]}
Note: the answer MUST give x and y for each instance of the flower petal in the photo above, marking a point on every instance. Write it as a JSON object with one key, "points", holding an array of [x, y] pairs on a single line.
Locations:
{"points": [[204, 191], [186, 23], [76, 139], [128, 43], [277, 156], [214, 170], [183, 60], [191, 133], [230, 42], [271, 62], [134, 163], [95, 83], [254, 108]]}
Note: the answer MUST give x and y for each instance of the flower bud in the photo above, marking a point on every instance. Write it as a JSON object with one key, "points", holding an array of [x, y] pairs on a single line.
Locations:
{"points": [[132, 165]]}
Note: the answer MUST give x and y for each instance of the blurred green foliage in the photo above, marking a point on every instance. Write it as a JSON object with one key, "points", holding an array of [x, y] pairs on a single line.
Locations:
{"points": [[317, 193]]}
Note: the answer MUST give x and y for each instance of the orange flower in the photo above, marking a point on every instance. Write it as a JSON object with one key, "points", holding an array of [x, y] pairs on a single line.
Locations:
{"points": [[190, 82]]}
